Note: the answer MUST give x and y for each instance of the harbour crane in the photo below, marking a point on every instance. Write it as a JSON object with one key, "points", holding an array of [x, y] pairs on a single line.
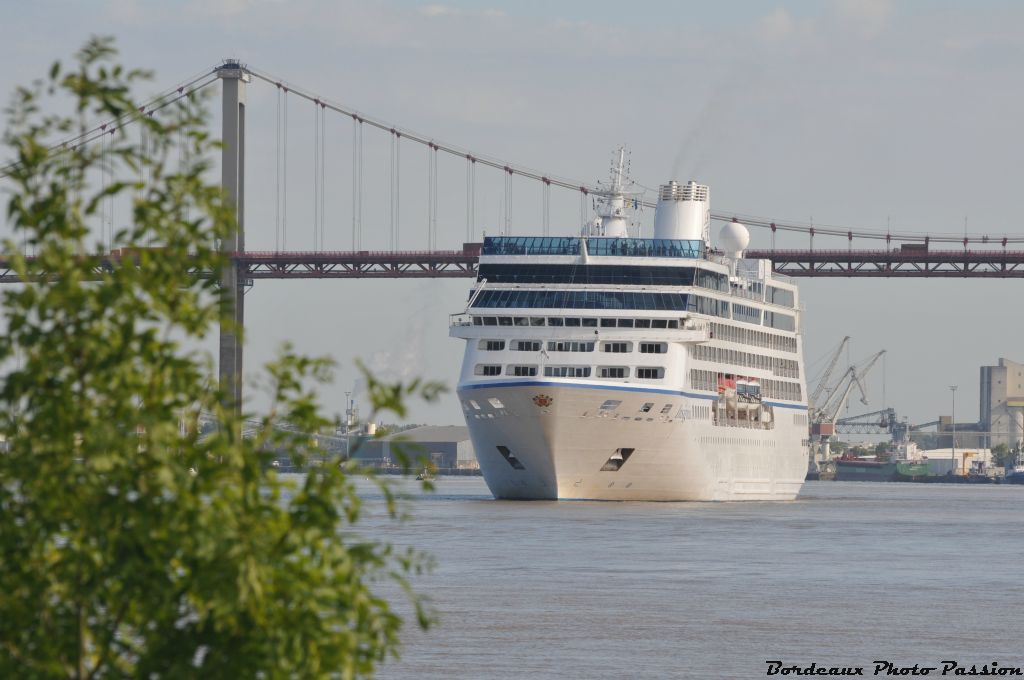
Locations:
{"points": [[824, 415], [823, 382]]}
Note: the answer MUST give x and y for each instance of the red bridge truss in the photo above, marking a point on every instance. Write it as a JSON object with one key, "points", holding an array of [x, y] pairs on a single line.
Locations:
{"points": [[897, 263], [443, 264]]}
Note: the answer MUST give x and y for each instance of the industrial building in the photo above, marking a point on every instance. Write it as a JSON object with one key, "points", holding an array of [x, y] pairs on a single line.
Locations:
{"points": [[447, 446], [1002, 403]]}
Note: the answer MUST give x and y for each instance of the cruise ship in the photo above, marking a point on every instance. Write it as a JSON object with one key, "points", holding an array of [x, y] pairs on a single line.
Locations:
{"points": [[612, 367]]}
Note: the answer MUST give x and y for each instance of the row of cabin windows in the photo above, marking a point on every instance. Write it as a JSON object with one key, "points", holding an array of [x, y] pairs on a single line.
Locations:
{"points": [[780, 296], [574, 346], [569, 346], [597, 274], [746, 314], [785, 368], [784, 322], [526, 371], [770, 389], [781, 389], [599, 299], [749, 336], [567, 371], [627, 347], [586, 322]]}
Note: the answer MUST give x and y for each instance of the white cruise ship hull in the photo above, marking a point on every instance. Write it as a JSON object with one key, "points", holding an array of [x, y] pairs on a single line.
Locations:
{"points": [[543, 439]]}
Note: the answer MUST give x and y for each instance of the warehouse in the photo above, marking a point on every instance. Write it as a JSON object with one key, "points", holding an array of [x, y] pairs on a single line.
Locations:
{"points": [[448, 447]]}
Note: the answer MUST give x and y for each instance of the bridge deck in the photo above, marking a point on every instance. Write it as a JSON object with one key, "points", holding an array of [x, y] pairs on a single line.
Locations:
{"points": [[462, 264]]}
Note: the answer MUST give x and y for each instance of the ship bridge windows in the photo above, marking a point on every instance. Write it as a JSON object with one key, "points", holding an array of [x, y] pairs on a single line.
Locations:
{"points": [[709, 306], [617, 347], [592, 274], [712, 280], [575, 322], [492, 345], [526, 345], [487, 369], [650, 372], [613, 371], [521, 371], [598, 247], [586, 299], [653, 347]]}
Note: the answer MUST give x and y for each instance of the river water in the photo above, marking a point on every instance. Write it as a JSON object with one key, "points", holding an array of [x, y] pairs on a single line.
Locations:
{"points": [[847, 574]]}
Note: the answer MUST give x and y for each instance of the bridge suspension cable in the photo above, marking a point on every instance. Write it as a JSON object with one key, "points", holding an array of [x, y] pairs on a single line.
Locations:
{"points": [[284, 170], [316, 175], [585, 188], [357, 183], [470, 199], [323, 180], [508, 201], [431, 198], [277, 174], [545, 208], [153, 105], [208, 77]]}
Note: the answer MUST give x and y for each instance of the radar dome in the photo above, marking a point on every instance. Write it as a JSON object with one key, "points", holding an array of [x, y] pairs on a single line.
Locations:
{"points": [[734, 238]]}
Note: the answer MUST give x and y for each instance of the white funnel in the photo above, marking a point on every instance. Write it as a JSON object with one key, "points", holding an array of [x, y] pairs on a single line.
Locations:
{"points": [[683, 212]]}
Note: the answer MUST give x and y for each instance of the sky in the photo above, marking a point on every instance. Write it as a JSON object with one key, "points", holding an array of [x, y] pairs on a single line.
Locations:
{"points": [[860, 113]]}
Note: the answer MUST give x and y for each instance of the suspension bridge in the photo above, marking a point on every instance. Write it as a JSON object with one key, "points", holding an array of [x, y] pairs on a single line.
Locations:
{"points": [[896, 255]]}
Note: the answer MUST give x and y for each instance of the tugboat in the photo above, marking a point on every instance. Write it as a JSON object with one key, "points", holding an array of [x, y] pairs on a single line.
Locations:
{"points": [[1015, 476]]}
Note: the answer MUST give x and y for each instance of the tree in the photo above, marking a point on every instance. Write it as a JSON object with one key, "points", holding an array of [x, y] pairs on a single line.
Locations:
{"points": [[130, 544], [1002, 456]]}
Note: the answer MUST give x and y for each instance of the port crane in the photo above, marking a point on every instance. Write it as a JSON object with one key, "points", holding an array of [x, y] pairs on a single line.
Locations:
{"points": [[825, 412]]}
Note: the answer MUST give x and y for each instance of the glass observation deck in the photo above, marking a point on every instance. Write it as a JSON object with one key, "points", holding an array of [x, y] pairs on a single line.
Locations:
{"points": [[596, 247]]}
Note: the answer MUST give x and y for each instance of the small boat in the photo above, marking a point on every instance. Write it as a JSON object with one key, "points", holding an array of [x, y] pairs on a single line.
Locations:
{"points": [[1014, 476]]}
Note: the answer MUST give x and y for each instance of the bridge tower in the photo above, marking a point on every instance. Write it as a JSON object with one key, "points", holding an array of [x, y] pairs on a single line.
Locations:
{"points": [[233, 81]]}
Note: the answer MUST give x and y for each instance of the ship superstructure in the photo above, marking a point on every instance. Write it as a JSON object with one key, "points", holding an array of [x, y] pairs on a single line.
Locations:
{"points": [[605, 366]]}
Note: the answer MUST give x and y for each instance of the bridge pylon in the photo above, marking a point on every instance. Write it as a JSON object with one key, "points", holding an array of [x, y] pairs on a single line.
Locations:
{"points": [[233, 77]]}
